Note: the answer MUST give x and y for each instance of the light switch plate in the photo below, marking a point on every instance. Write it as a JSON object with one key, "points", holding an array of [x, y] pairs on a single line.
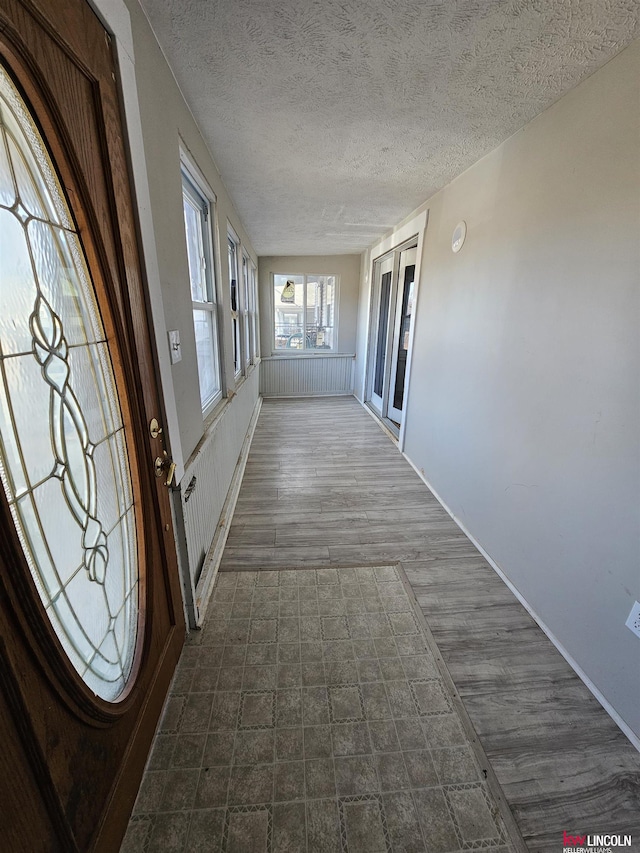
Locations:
{"points": [[174, 346], [633, 620]]}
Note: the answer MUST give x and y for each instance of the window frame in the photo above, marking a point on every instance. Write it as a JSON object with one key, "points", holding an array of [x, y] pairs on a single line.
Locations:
{"points": [[245, 311], [255, 312], [239, 368], [201, 197], [304, 350]]}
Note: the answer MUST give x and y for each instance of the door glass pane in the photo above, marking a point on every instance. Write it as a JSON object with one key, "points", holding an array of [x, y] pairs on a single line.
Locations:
{"points": [[63, 458], [405, 329], [381, 341]]}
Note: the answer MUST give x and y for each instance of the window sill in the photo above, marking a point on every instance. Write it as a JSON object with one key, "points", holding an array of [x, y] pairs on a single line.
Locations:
{"points": [[241, 377], [275, 356], [214, 414], [217, 413]]}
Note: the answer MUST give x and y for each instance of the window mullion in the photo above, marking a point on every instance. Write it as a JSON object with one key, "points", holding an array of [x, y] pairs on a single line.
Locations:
{"points": [[304, 313]]}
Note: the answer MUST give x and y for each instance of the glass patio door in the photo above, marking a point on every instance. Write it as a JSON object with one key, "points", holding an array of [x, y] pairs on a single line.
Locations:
{"points": [[401, 333], [390, 332], [383, 281]]}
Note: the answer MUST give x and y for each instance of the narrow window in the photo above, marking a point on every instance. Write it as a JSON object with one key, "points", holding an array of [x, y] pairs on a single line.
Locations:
{"points": [[253, 291], [203, 291], [245, 310], [236, 331]]}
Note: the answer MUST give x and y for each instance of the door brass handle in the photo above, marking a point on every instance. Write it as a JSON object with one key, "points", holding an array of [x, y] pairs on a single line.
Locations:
{"points": [[164, 464], [170, 474]]}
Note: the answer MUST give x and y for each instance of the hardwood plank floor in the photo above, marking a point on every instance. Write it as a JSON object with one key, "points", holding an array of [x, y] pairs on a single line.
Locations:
{"points": [[324, 485]]}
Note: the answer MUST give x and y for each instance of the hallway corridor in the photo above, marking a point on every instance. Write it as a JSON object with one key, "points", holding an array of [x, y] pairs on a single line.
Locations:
{"points": [[326, 488], [324, 485]]}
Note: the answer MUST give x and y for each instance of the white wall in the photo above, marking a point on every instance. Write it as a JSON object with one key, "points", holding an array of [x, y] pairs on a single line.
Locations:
{"points": [[524, 401], [160, 124], [166, 122], [213, 465]]}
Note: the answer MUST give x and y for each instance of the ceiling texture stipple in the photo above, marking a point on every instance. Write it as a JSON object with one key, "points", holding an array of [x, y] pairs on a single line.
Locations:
{"points": [[331, 120]]}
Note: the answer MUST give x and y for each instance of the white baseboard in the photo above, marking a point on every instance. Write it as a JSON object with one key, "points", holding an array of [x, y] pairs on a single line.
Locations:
{"points": [[216, 549], [269, 396], [622, 725]]}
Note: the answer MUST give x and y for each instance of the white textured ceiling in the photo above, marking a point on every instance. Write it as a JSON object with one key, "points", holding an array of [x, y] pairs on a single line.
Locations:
{"points": [[331, 120]]}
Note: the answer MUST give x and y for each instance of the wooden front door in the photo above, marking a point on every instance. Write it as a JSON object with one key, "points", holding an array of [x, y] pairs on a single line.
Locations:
{"points": [[91, 619]]}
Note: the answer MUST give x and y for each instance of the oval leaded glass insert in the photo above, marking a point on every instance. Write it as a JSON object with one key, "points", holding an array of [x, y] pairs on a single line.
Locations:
{"points": [[63, 456]]}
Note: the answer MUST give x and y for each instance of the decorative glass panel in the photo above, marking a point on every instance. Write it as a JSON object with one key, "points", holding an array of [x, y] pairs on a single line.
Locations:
{"points": [[63, 458]]}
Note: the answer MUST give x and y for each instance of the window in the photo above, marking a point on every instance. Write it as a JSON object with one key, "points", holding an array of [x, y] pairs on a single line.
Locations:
{"points": [[304, 312], [253, 292], [203, 291], [236, 331], [245, 310], [250, 311]]}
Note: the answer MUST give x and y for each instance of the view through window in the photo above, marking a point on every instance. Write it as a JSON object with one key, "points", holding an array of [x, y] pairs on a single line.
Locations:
{"points": [[304, 312], [203, 292]]}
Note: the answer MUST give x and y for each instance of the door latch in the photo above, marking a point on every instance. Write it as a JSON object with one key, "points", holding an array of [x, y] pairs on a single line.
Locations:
{"points": [[165, 465], [154, 428]]}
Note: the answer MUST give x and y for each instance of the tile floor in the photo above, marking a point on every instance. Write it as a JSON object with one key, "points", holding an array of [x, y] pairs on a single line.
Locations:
{"points": [[310, 714]]}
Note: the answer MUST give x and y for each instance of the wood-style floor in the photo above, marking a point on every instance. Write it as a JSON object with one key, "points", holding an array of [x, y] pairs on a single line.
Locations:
{"points": [[324, 485]]}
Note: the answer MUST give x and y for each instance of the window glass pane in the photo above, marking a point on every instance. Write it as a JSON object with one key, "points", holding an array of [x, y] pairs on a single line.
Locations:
{"points": [[288, 305], [254, 313], [233, 275], [206, 349], [235, 307], [325, 312], [313, 307], [203, 291], [64, 464], [195, 250], [246, 308], [320, 311]]}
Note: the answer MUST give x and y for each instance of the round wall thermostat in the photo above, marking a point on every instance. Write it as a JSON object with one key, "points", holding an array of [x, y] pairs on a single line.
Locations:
{"points": [[459, 233]]}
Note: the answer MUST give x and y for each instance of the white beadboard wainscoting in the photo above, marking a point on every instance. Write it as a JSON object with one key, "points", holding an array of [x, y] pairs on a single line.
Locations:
{"points": [[307, 375], [203, 515]]}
